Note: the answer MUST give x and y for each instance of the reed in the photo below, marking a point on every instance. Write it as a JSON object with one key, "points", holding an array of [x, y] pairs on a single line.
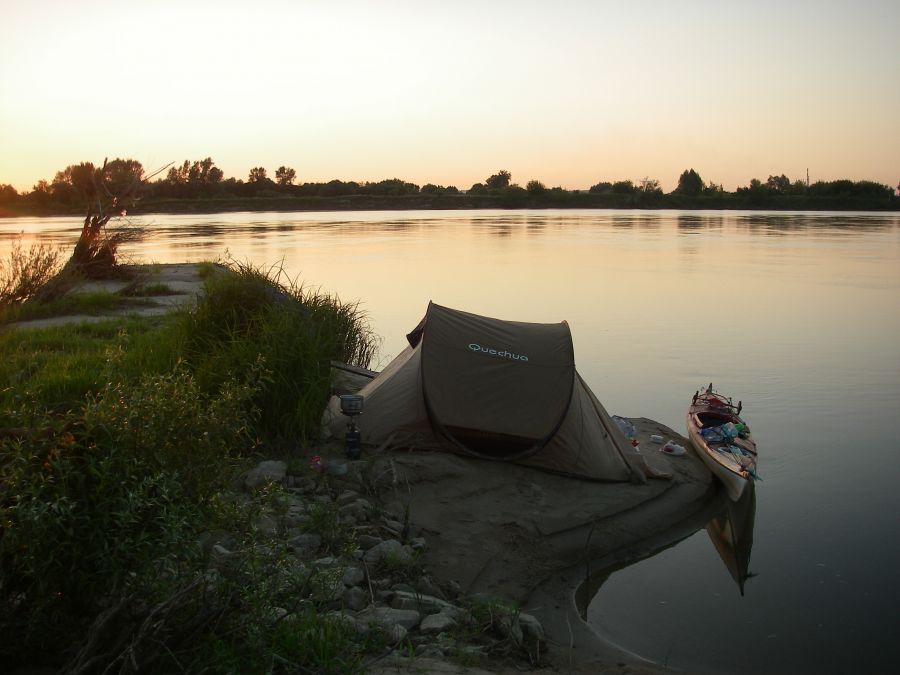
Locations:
{"points": [[257, 314]]}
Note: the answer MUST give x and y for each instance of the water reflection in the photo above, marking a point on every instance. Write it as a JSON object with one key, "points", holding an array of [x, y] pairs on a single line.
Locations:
{"points": [[731, 532], [781, 223], [730, 529]]}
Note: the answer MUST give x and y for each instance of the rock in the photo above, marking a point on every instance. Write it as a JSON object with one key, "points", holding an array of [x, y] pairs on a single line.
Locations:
{"points": [[429, 651], [426, 604], [355, 599], [454, 590], [219, 557], [304, 545], [394, 526], [418, 543], [267, 524], [403, 587], [390, 548], [387, 616], [343, 618], [532, 630], [353, 576], [327, 587], [296, 516], [304, 484], [510, 629], [367, 541], [394, 633], [436, 623], [271, 471], [326, 562], [428, 587], [347, 497]]}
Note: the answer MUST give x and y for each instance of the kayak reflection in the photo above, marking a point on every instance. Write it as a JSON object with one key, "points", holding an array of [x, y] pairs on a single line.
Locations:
{"points": [[731, 532]]}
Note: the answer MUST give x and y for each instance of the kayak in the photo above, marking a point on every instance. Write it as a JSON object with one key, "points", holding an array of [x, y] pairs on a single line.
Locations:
{"points": [[722, 440]]}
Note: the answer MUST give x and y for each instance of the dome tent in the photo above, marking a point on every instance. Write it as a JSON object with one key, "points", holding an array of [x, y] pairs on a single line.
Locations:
{"points": [[494, 389]]}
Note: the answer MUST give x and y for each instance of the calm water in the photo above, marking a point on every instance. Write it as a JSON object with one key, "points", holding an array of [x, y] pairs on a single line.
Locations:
{"points": [[797, 314]]}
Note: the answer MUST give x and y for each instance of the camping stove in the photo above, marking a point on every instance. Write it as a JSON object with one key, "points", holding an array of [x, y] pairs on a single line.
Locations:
{"points": [[352, 406]]}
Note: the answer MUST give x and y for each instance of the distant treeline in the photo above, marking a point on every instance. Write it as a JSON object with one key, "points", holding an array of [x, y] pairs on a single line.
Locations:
{"points": [[200, 186]]}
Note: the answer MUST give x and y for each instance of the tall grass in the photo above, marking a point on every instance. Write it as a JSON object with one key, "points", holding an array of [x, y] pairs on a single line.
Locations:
{"points": [[24, 273], [256, 313]]}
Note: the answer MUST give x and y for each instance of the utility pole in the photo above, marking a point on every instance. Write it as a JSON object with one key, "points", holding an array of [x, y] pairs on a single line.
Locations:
{"points": [[807, 176]]}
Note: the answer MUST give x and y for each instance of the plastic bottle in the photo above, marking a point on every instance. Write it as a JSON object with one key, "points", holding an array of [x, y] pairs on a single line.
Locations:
{"points": [[656, 438]]}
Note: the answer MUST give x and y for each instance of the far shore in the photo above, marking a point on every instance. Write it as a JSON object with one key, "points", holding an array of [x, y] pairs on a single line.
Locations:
{"points": [[513, 201]]}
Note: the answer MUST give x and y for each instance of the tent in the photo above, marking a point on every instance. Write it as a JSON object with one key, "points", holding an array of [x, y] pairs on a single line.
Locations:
{"points": [[494, 389]]}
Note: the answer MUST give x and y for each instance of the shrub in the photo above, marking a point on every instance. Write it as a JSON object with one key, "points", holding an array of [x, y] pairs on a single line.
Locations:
{"points": [[254, 313], [108, 502], [25, 272]]}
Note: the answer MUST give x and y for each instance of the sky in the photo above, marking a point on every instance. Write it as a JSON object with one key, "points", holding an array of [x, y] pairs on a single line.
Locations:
{"points": [[570, 92]]}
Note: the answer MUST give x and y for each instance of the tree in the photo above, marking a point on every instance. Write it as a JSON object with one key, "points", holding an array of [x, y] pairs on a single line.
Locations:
{"points": [[499, 180], [650, 186], [257, 175], [601, 187], [689, 183], [535, 187], [8, 194], [623, 187], [779, 184], [285, 176]]}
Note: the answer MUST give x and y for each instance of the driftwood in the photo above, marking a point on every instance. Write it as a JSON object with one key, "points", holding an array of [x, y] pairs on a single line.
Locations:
{"points": [[96, 252]]}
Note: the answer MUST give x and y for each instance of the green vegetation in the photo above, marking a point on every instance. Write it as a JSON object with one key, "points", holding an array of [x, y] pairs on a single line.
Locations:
{"points": [[119, 445], [201, 187]]}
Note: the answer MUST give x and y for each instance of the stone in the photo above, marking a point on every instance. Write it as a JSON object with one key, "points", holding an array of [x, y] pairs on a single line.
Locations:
{"points": [[429, 651], [220, 557], [327, 561], [418, 543], [367, 541], [394, 633], [342, 618], [355, 599], [436, 623], [271, 471], [425, 585], [327, 587], [304, 484], [426, 604], [347, 497], [387, 616], [353, 576], [304, 545], [510, 629], [390, 548], [267, 524], [393, 525], [532, 630]]}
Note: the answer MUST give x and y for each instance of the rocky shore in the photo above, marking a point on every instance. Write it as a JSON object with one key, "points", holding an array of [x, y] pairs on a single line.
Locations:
{"points": [[479, 566]]}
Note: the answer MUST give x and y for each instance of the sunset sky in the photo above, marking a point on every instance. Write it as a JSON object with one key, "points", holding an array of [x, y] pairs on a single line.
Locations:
{"points": [[569, 92]]}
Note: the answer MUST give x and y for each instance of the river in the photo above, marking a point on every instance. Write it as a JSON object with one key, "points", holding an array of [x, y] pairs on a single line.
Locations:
{"points": [[796, 314]]}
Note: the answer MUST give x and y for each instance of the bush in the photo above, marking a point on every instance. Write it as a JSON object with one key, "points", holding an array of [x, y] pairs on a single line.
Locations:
{"points": [[254, 313], [109, 501], [25, 272]]}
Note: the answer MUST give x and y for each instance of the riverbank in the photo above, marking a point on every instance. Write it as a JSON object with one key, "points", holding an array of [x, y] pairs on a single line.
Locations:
{"points": [[503, 531], [508, 199]]}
